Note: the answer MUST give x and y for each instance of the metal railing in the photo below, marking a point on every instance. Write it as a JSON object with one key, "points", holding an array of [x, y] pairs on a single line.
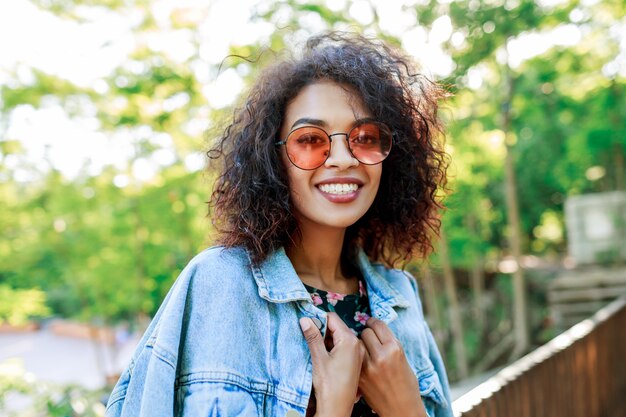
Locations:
{"points": [[580, 373]]}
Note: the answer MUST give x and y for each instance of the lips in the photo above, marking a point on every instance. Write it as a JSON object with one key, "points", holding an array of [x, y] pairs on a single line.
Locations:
{"points": [[341, 180], [340, 189]]}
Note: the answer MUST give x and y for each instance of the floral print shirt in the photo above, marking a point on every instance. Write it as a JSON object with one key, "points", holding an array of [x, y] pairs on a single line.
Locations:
{"points": [[354, 310]]}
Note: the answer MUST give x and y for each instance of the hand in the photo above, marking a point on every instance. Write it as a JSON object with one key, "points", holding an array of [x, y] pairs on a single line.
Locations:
{"points": [[387, 381], [335, 373]]}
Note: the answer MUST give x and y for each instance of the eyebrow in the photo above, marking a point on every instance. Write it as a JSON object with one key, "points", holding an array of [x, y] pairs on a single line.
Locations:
{"points": [[322, 123], [309, 121]]}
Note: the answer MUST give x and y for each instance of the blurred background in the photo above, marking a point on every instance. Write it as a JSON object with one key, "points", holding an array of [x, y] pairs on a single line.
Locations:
{"points": [[107, 108]]}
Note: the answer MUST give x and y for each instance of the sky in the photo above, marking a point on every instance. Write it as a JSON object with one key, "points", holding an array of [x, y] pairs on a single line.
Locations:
{"points": [[85, 53]]}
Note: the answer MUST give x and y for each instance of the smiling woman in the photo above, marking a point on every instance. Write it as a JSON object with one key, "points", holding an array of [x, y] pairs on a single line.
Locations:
{"points": [[316, 192], [329, 178]]}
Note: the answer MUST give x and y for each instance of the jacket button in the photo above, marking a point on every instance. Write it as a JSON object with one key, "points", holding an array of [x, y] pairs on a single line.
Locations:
{"points": [[318, 324], [293, 413]]}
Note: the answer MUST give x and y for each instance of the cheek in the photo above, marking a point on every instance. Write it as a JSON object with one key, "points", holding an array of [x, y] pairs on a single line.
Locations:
{"points": [[298, 179], [375, 173]]}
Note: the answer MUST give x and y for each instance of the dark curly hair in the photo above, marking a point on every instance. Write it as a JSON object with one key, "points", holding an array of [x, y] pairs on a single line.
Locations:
{"points": [[251, 198]]}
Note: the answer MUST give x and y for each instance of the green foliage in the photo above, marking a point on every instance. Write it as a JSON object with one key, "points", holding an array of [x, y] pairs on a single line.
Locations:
{"points": [[39, 87], [100, 251], [44, 399], [18, 306]]}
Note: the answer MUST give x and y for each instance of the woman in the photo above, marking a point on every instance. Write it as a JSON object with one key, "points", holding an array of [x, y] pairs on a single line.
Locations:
{"points": [[329, 179]]}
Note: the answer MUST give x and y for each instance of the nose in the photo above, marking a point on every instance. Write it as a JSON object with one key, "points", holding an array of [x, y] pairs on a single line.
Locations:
{"points": [[340, 155]]}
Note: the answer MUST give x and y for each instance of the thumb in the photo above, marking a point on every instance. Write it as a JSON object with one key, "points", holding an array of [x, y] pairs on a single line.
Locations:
{"points": [[338, 329], [313, 339]]}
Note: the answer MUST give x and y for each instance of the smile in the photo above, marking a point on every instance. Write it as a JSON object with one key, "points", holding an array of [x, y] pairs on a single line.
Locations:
{"points": [[338, 189]]}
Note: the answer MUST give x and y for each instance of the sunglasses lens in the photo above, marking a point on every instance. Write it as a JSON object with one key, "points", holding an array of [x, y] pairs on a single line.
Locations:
{"points": [[370, 142], [308, 147]]}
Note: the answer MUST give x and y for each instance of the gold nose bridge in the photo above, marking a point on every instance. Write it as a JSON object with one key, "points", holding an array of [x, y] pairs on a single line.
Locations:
{"points": [[347, 135], [338, 133]]}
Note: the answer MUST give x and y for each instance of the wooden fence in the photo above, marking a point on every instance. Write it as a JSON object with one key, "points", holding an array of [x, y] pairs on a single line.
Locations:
{"points": [[577, 294], [580, 373]]}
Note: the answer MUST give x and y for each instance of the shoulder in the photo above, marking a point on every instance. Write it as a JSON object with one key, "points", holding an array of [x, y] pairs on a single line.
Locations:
{"points": [[393, 273], [402, 281], [217, 263], [219, 257], [209, 272], [396, 277], [212, 279], [217, 268]]}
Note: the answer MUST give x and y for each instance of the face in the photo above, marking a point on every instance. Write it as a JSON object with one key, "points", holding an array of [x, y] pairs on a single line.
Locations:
{"points": [[342, 189]]}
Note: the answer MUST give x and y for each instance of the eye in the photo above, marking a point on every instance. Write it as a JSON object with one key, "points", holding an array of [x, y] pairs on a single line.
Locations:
{"points": [[309, 139], [309, 136], [368, 134], [365, 139]]}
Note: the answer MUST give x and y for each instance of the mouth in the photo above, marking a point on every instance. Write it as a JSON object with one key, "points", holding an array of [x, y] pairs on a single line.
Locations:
{"points": [[340, 190]]}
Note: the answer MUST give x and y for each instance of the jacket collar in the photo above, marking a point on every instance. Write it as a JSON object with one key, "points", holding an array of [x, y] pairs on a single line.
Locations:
{"points": [[277, 279], [278, 282], [380, 291]]}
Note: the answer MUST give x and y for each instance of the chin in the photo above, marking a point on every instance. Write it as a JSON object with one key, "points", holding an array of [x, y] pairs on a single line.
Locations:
{"points": [[333, 220], [322, 213]]}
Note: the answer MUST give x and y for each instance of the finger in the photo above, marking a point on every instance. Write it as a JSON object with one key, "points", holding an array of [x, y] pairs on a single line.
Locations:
{"points": [[338, 329], [371, 342], [328, 342], [364, 353], [357, 396], [384, 334], [313, 339]]}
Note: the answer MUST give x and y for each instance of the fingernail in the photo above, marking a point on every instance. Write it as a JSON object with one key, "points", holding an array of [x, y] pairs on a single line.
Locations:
{"points": [[305, 324]]}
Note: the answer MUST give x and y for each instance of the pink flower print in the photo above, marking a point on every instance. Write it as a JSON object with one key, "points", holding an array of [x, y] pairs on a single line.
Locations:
{"points": [[361, 317], [333, 297], [361, 289], [317, 300]]}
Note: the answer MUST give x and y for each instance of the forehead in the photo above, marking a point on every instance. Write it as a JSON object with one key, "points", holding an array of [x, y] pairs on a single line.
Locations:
{"points": [[337, 105]]}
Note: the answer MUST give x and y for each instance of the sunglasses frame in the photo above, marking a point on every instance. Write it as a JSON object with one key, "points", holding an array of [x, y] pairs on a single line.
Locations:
{"points": [[330, 139]]}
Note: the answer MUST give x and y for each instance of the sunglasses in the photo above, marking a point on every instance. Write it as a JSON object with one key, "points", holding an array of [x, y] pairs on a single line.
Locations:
{"points": [[308, 147]]}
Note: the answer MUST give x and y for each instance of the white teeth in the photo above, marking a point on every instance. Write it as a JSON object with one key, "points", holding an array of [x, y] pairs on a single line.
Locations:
{"points": [[338, 188]]}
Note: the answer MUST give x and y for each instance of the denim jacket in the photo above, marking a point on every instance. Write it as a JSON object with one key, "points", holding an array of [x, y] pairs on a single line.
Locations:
{"points": [[226, 341]]}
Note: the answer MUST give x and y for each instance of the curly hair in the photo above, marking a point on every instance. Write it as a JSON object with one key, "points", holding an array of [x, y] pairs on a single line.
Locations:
{"points": [[251, 197]]}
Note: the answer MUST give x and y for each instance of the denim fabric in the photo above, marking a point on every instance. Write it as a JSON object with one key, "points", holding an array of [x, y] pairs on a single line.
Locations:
{"points": [[226, 341]]}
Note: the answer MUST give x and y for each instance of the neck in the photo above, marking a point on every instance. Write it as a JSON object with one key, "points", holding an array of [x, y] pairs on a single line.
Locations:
{"points": [[316, 257]]}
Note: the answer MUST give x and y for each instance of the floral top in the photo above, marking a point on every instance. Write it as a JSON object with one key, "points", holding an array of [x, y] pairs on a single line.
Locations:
{"points": [[354, 310]]}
